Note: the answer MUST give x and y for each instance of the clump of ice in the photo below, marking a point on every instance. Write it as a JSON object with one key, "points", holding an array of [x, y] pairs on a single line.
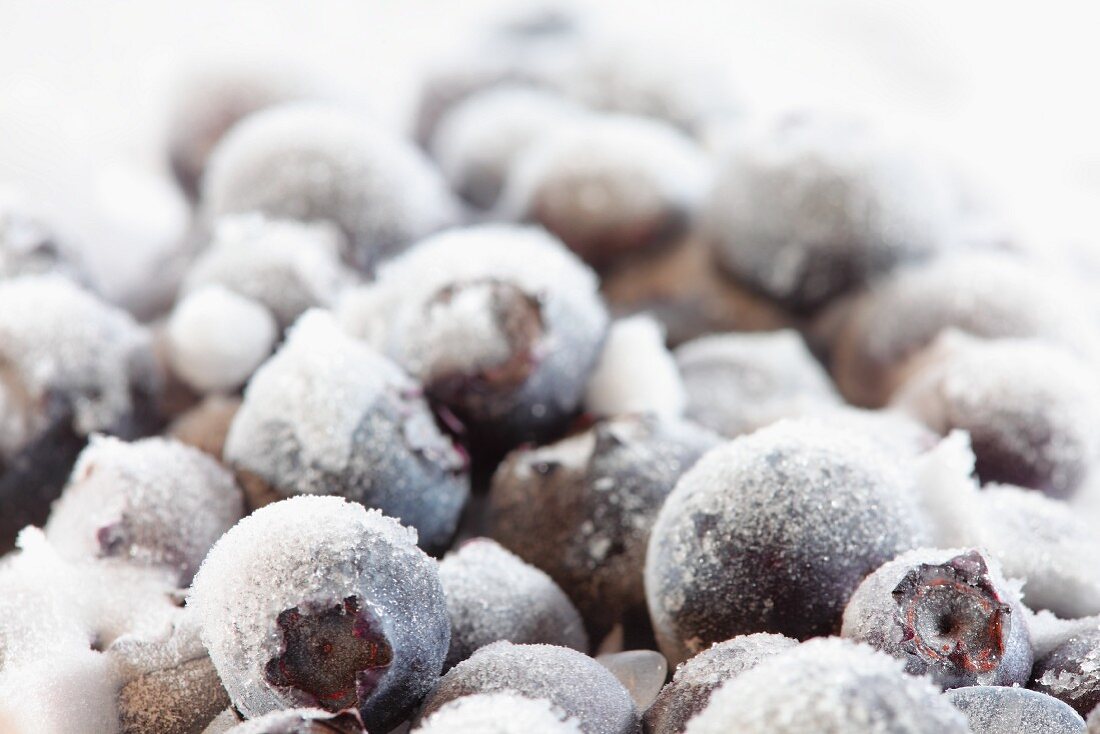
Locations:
{"points": [[642, 673], [493, 595], [217, 338], [828, 686], [297, 719], [1006, 710], [737, 383], [635, 372], [155, 502], [318, 551], [499, 713], [315, 163]]}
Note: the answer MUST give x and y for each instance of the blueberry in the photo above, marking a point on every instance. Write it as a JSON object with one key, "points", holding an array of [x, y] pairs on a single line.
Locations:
{"points": [[772, 532], [500, 713], [492, 595], [501, 324], [71, 365], [155, 502], [329, 415], [737, 383], [1005, 710], [314, 163], [315, 601], [609, 187], [830, 686], [691, 687], [581, 509], [946, 613], [571, 681], [1029, 407], [1070, 672], [814, 208], [302, 721]]}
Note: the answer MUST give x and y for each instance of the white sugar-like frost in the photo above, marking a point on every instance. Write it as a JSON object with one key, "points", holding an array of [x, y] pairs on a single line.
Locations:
{"points": [[1007, 710], [499, 713], [635, 372], [70, 692], [288, 720]]}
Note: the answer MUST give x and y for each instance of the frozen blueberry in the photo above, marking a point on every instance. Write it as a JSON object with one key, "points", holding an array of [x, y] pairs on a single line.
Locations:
{"points": [[501, 324], [287, 266], [216, 339], [492, 595], [499, 713], [1006, 710], [155, 502], [302, 721], [772, 532], [1071, 671], [984, 294], [477, 144], [949, 614], [814, 208], [571, 681], [315, 601], [737, 383], [209, 103], [205, 426], [329, 415], [581, 509], [1030, 408], [70, 365], [609, 186], [635, 373], [314, 163], [828, 686], [691, 687]]}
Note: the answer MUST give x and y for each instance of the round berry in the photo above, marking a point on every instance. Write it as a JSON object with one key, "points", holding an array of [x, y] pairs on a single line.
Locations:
{"points": [[1071, 671], [499, 713], [1003, 709]]}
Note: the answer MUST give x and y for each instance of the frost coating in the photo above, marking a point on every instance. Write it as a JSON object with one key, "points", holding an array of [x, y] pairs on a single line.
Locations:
{"points": [[26, 244], [609, 186], [946, 613], [492, 595], [1005, 710], [498, 713], [828, 686], [581, 509], [1071, 671], [635, 372], [571, 681], [154, 502], [502, 325], [329, 415], [815, 208], [287, 266], [691, 687], [772, 532], [310, 162], [737, 383], [305, 556], [301, 721]]}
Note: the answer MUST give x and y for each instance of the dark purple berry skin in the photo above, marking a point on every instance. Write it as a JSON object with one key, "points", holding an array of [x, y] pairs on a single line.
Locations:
{"points": [[581, 509], [947, 614], [1069, 672], [999, 709]]}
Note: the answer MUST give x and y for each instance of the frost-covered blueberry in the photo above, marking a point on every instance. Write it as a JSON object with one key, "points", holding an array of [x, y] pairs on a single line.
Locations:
{"points": [[501, 324], [581, 509], [984, 294], [1071, 671], [302, 721], [815, 208], [1030, 408], [492, 595], [27, 245], [316, 601], [571, 681], [70, 365], [329, 415], [635, 373], [209, 103], [949, 614], [772, 532], [499, 713], [216, 339], [737, 383], [829, 686], [287, 266], [691, 687], [609, 186], [477, 144], [155, 502], [314, 163], [1007, 710]]}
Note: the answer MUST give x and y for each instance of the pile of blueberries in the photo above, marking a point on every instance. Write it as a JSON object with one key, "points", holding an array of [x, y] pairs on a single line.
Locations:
{"points": [[596, 405]]}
